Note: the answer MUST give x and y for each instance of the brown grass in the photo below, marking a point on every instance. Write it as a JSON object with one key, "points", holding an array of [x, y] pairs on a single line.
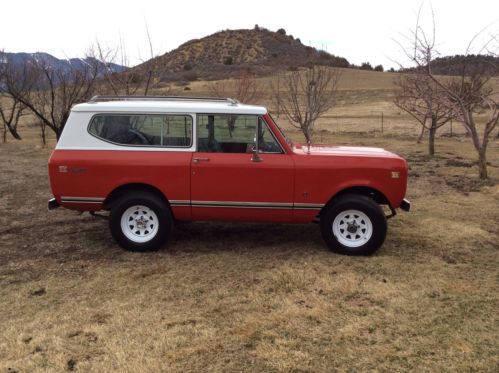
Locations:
{"points": [[252, 297]]}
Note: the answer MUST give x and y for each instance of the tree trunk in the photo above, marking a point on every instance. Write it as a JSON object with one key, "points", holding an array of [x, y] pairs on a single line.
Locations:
{"points": [[421, 135], [231, 123], [16, 135], [482, 164], [308, 137], [44, 137], [13, 132], [431, 140], [481, 148]]}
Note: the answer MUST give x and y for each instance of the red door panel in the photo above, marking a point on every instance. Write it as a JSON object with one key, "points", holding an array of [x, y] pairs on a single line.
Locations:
{"points": [[230, 186]]}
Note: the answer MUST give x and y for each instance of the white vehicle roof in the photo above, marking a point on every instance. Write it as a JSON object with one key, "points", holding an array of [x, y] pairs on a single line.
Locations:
{"points": [[153, 104], [77, 137]]}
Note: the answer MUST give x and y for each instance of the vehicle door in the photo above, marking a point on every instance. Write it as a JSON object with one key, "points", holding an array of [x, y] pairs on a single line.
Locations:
{"points": [[237, 175]]}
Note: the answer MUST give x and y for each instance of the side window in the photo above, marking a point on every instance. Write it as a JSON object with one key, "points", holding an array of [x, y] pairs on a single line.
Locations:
{"points": [[143, 130], [226, 133], [267, 143]]}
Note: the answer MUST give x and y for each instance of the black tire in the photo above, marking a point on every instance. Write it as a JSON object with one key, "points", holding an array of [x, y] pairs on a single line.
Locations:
{"points": [[154, 203], [340, 208]]}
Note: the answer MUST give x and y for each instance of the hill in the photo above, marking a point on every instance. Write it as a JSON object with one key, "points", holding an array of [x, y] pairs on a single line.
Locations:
{"points": [[227, 53], [453, 65]]}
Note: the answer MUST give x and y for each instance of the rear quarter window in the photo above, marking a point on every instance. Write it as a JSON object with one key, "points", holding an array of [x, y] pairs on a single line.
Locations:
{"points": [[143, 130]]}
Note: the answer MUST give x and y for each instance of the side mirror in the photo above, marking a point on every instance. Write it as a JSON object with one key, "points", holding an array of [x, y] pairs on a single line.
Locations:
{"points": [[255, 157]]}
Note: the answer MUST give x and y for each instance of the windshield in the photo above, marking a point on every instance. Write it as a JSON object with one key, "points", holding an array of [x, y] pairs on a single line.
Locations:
{"points": [[288, 140]]}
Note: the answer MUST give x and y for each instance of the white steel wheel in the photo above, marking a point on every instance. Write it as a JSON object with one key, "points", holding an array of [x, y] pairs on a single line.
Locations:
{"points": [[139, 223], [352, 228]]}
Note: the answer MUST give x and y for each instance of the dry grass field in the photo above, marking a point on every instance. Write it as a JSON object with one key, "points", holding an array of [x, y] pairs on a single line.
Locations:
{"points": [[250, 297]]}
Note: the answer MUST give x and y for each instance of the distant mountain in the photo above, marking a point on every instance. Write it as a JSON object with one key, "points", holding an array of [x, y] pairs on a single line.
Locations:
{"points": [[453, 65], [227, 53], [56, 63]]}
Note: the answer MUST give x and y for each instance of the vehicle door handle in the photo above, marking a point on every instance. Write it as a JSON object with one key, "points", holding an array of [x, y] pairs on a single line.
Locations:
{"points": [[196, 160]]}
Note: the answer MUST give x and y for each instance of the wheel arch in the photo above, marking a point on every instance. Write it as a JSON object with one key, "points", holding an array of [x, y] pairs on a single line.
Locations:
{"points": [[121, 190], [370, 192]]}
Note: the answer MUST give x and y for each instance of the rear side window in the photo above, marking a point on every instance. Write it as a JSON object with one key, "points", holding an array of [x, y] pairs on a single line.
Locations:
{"points": [[143, 130]]}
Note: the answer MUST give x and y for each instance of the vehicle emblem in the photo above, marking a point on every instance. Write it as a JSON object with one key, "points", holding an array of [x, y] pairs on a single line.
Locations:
{"points": [[78, 170]]}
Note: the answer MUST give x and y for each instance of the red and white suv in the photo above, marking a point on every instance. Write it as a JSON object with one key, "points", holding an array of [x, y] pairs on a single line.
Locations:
{"points": [[152, 161]]}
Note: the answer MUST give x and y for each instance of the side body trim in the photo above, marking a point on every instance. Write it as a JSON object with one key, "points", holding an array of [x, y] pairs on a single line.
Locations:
{"points": [[249, 205], [211, 204], [66, 199]]}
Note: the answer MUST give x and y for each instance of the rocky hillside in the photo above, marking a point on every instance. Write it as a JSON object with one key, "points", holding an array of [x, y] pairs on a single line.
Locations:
{"points": [[227, 53]]}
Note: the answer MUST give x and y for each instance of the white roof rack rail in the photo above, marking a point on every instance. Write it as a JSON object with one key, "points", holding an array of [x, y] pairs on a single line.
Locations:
{"points": [[95, 99]]}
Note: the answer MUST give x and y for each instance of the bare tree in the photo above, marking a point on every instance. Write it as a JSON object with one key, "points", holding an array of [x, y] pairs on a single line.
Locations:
{"points": [[467, 95], [245, 88], [308, 95], [49, 93], [277, 83], [468, 98], [129, 82], [135, 80], [419, 96], [11, 111]]}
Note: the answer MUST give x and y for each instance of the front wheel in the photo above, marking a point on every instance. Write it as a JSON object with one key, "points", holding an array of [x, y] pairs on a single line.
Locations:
{"points": [[140, 222], [354, 225]]}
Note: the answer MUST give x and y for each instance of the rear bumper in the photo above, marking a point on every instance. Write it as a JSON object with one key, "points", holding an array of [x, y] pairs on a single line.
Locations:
{"points": [[405, 205], [52, 204]]}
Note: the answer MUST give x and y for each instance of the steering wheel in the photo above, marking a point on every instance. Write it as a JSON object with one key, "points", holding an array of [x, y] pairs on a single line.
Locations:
{"points": [[140, 136]]}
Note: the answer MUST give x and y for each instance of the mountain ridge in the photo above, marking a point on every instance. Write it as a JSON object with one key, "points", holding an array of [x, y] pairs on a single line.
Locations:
{"points": [[19, 58]]}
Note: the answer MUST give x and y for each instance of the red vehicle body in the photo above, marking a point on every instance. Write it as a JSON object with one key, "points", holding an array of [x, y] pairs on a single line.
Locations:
{"points": [[295, 185]]}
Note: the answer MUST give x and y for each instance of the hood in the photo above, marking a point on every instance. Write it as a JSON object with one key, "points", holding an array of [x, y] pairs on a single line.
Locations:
{"points": [[342, 151]]}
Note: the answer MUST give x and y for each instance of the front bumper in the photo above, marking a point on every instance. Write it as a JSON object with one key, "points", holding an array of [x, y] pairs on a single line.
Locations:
{"points": [[52, 204], [405, 205]]}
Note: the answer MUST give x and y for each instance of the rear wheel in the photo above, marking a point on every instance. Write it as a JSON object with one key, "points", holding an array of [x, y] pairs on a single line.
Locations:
{"points": [[354, 225], [140, 222]]}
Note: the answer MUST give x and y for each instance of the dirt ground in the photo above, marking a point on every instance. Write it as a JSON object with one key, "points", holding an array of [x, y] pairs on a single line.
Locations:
{"points": [[251, 297]]}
